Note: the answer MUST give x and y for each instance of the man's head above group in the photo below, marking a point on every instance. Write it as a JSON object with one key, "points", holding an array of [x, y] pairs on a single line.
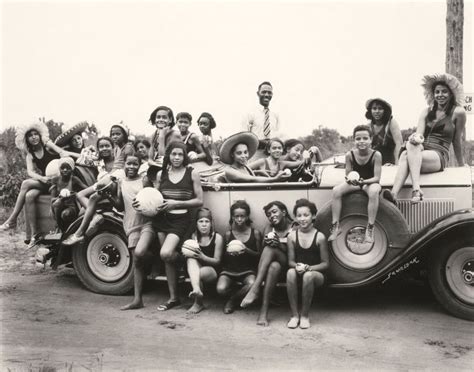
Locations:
{"points": [[265, 93]]}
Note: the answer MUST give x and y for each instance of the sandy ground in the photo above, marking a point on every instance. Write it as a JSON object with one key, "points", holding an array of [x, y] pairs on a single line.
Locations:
{"points": [[50, 322]]}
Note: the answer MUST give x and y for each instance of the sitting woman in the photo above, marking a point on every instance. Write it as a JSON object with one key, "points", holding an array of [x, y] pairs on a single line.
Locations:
{"points": [[72, 141], [386, 134], [33, 140], [89, 197], [119, 135], [206, 124], [236, 151], [440, 125], [142, 150], [191, 140], [299, 161], [273, 259]]}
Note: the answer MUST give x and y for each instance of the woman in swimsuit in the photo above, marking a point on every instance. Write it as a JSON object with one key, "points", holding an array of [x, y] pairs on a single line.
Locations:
{"points": [[440, 125]]}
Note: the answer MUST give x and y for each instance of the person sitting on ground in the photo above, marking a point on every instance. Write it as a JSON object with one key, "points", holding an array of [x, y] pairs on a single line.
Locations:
{"points": [[273, 259], [63, 192], [236, 151], [181, 188], [302, 161], [191, 140], [203, 266], [440, 125], [206, 124], [137, 227], [368, 165], [239, 266], [90, 197], [386, 134], [308, 259], [33, 140], [142, 150]]}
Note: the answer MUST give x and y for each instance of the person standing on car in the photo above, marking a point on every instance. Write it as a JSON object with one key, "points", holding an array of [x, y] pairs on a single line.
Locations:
{"points": [[440, 125], [261, 121], [386, 134]]}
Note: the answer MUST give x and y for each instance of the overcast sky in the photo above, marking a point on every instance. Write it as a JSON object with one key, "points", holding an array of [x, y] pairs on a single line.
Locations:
{"points": [[109, 61]]}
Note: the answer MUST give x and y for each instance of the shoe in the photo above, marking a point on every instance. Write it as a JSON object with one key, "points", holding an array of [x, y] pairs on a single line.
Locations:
{"points": [[73, 239], [389, 196], [416, 196], [7, 226], [293, 323], [334, 231], [96, 221], [168, 305], [35, 240], [369, 234]]}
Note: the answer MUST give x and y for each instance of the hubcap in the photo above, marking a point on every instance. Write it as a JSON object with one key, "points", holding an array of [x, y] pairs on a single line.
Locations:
{"points": [[355, 241], [460, 273], [109, 255]]}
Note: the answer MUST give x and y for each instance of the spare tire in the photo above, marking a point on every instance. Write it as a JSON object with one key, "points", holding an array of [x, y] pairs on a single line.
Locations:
{"points": [[104, 263], [351, 259]]}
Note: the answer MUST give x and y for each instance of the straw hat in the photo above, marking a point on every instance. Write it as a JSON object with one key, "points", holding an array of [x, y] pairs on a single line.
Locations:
{"points": [[370, 101], [64, 138], [430, 81], [249, 138], [20, 138]]}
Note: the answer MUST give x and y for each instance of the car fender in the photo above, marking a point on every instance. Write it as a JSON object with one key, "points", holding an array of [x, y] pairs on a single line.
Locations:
{"points": [[420, 245]]}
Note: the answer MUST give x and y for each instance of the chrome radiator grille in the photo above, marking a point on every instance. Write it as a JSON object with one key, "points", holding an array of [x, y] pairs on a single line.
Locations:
{"points": [[421, 214]]}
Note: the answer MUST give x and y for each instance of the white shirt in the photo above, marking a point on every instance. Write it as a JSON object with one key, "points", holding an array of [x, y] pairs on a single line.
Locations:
{"points": [[254, 120]]}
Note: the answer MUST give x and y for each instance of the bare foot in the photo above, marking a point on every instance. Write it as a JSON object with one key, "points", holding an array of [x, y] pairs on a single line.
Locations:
{"points": [[229, 307], [133, 306], [262, 320], [249, 299], [196, 308]]}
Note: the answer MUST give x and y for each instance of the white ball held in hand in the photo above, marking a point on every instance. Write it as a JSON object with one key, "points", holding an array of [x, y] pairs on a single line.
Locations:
{"points": [[353, 176], [235, 246], [64, 193], [149, 200], [190, 248], [417, 138]]}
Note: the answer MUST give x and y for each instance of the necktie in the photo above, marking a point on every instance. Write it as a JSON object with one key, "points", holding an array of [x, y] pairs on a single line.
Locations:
{"points": [[266, 123]]}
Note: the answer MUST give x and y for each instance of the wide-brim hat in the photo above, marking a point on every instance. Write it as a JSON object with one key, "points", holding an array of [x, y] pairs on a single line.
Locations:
{"points": [[20, 138], [430, 81], [249, 138], [378, 99], [64, 138]]}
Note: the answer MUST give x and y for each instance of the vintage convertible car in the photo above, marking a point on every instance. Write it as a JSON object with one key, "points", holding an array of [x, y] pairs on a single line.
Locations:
{"points": [[435, 236]]}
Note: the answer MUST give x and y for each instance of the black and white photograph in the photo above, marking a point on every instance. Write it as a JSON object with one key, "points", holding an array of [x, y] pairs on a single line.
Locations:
{"points": [[236, 185]]}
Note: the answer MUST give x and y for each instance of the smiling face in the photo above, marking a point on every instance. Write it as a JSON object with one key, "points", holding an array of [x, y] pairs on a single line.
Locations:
{"points": [[204, 126], [239, 217], [442, 94], [204, 225], [295, 153], [132, 163], [162, 119], [240, 154], [176, 157], [117, 136], [276, 149], [275, 215], [142, 151], [33, 137], [76, 141], [265, 94], [377, 111], [105, 149], [362, 139], [304, 217]]}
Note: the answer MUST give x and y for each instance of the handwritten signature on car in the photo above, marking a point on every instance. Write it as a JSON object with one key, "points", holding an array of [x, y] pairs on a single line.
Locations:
{"points": [[405, 266]]}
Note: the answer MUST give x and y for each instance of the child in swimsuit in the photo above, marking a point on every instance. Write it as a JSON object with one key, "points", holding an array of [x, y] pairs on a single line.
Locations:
{"points": [[239, 267], [203, 266], [308, 258], [368, 164]]}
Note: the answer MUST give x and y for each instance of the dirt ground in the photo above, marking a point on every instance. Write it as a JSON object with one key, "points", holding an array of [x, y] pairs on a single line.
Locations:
{"points": [[49, 322]]}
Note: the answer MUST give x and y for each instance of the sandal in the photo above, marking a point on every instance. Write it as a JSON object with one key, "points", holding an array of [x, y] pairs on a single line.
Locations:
{"points": [[7, 226], [168, 305], [416, 196], [389, 196]]}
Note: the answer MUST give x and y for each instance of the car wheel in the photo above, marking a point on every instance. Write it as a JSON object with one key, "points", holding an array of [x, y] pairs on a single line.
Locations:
{"points": [[451, 275], [349, 250], [104, 263]]}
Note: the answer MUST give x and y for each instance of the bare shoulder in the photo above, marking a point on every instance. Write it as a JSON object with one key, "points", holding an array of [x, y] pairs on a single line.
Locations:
{"points": [[292, 235], [321, 238], [459, 111]]}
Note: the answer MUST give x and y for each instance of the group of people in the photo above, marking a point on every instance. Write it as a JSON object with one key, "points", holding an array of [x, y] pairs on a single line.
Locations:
{"points": [[243, 258]]}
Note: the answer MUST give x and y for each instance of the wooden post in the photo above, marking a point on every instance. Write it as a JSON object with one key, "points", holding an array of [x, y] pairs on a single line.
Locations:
{"points": [[454, 37]]}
